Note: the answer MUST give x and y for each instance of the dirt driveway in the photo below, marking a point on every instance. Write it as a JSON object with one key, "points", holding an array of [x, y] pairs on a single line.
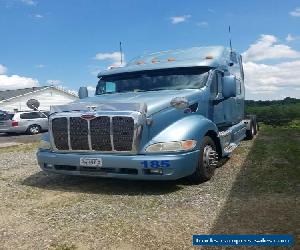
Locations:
{"points": [[47, 211]]}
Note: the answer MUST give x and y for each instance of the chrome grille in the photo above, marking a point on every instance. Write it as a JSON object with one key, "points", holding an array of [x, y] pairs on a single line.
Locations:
{"points": [[123, 130], [100, 133], [103, 133], [79, 133], [60, 137]]}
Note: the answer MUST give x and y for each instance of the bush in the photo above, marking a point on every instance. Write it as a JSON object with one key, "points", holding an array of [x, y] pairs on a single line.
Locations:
{"points": [[275, 113]]}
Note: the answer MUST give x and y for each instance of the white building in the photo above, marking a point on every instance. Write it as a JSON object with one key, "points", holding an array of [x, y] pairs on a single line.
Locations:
{"points": [[12, 100]]}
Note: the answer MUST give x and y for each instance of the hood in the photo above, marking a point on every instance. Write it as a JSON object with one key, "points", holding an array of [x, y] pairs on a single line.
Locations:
{"points": [[154, 101]]}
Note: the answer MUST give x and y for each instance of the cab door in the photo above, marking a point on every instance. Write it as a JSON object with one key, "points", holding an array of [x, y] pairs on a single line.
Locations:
{"points": [[216, 103]]}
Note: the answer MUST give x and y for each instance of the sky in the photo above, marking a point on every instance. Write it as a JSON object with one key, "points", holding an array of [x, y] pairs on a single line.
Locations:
{"points": [[67, 42]]}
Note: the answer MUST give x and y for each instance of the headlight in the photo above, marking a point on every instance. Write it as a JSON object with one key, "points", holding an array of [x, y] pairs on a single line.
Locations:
{"points": [[172, 146], [44, 144]]}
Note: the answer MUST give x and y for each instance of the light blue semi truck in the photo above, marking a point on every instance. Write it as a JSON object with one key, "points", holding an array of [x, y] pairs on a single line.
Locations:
{"points": [[163, 116]]}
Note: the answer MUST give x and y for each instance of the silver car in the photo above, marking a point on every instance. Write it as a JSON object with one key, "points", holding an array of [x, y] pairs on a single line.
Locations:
{"points": [[31, 122]]}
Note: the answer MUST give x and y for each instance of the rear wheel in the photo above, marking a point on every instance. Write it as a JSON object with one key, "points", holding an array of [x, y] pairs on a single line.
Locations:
{"points": [[34, 129], [252, 131], [208, 159]]}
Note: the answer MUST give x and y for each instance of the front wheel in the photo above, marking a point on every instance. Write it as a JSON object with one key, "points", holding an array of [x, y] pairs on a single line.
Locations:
{"points": [[207, 163]]}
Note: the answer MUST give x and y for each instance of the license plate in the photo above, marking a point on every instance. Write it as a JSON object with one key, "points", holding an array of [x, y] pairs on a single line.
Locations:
{"points": [[90, 162]]}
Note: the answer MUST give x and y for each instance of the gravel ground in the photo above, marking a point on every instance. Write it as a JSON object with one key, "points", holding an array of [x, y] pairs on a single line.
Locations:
{"points": [[47, 211], [21, 138]]}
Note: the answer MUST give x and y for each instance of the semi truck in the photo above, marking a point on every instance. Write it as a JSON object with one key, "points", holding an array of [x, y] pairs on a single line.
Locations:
{"points": [[162, 116]]}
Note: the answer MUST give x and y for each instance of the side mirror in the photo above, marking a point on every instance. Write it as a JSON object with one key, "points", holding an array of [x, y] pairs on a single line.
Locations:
{"points": [[229, 86], [83, 92]]}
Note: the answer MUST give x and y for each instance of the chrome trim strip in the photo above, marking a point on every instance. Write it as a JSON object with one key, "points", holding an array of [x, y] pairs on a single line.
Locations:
{"points": [[89, 135]]}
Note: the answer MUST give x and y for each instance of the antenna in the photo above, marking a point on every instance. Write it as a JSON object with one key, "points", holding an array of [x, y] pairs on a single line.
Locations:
{"points": [[121, 53], [229, 31]]}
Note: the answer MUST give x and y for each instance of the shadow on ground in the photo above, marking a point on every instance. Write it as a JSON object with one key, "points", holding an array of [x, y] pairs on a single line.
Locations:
{"points": [[265, 196], [98, 185]]}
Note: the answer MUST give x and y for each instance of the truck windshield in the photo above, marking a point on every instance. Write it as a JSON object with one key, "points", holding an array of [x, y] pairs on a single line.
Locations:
{"points": [[152, 80]]}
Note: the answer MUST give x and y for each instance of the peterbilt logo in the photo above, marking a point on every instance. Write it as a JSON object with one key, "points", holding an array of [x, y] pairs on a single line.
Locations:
{"points": [[88, 116]]}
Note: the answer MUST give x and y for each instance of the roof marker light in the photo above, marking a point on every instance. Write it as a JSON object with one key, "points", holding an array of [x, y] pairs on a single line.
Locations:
{"points": [[140, 62], [155, 60], [171, 59]]}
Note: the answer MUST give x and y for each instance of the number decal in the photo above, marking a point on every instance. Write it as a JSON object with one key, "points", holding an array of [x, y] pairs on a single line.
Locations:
{"points": [[156, 164], [165, 163]]}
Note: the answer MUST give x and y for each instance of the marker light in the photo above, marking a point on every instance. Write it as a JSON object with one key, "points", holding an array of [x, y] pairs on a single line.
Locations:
{"points": [[172, 146], [140, 62], [209, 57], [154, 60]]}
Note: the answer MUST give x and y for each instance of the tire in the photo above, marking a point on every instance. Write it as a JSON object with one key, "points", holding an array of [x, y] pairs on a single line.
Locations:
{"points": [[253, 129], [207, 162], [34, 129]]}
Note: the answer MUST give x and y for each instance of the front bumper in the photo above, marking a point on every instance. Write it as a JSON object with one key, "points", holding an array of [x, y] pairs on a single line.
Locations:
{"points": [[121, 166]]}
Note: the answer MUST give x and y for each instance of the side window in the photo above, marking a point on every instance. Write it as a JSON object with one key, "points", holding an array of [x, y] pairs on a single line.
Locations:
{"points": [[214, 85], [5, 116], [110, 87], [31, 115]]}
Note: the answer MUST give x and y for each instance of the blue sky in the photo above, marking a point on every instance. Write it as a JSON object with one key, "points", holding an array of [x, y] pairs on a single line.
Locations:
{"points": [[67, 42]]}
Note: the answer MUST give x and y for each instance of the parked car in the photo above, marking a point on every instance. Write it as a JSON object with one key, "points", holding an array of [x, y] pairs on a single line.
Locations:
{"points": [[31, 122]]}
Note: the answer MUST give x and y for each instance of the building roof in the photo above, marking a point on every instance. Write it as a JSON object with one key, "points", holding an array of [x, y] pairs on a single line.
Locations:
{"points": [[10, 94], [213, 56]]}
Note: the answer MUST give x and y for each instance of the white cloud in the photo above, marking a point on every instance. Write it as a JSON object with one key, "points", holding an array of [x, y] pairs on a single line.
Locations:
{"points": [[113, 58], [179, 19], [295, 12], [17, 82], [38, 16], [28, 2], [290, 38], [3, 69], [266, 48], [271, 81], [54, 82], [40, 66], [268, 78], [202, 24], [91, 90]]}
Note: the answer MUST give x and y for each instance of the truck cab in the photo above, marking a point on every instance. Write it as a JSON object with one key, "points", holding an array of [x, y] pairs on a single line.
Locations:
{"points": [[163, 116]]}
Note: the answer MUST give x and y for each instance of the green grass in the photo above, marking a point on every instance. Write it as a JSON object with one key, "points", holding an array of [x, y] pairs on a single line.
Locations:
{"points": [[21, 148], [273, 164]]}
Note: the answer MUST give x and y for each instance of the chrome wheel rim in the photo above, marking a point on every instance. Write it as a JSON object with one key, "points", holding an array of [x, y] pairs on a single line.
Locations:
{"points": [[210, 158], [34, 130]]}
